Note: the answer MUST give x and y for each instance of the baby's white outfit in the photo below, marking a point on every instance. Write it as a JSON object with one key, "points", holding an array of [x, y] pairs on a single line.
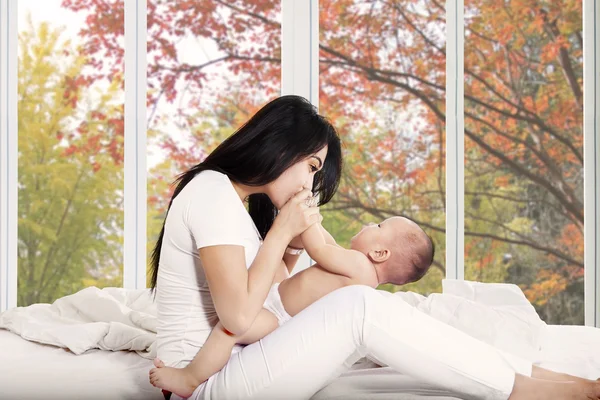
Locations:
{"points": [[274, 304]]}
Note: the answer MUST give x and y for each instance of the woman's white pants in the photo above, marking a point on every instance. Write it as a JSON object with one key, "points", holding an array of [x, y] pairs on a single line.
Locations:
{"points": [[324, 340]]}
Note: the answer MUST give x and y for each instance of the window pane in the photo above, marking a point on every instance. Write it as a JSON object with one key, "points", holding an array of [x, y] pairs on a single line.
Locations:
{"points": [[524, 151], [382, 76], [70, 121], [211, 65]]}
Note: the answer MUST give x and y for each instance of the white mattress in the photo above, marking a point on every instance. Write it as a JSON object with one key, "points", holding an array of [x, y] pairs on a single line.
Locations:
{"points": [[30, 371], [33, 371]]}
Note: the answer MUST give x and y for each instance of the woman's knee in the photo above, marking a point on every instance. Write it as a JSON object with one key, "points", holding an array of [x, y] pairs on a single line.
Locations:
{"points": [[352, 298], [353, 292]]}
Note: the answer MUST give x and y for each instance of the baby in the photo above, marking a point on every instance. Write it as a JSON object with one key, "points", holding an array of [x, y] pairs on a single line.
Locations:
{"points": [[395, 251]]}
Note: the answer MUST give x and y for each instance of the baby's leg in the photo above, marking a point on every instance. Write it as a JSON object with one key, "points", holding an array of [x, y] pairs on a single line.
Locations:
{"points": [[264, 324], [211, 357]]}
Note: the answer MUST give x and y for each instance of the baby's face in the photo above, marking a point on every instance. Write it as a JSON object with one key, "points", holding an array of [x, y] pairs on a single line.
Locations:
{"points": [[374, 236]]}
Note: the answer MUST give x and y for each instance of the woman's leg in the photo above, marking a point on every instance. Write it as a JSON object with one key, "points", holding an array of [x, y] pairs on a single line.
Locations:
{"points": [[325, 339], [549, 375], [213, 356]]}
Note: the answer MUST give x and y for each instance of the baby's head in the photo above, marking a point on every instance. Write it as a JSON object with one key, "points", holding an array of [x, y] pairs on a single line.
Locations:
{"points": [[399, 249]]}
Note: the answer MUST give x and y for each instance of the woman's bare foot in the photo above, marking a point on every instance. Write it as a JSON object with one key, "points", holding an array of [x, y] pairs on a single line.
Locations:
{"points": [[175, 380], [527, 388], [549, 375]]}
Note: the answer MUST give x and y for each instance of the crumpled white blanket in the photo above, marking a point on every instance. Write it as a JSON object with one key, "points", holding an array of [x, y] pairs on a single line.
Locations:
{"points": [[123, 319], [107, 319]]}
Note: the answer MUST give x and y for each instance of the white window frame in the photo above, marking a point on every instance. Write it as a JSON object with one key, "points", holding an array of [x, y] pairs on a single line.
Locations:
{"points": [[455, 140], [300, 61], [8, 154], [135, 184], [300, 75], [591, 162]]}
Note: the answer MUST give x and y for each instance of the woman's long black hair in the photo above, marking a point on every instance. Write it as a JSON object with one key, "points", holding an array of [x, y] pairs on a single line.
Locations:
{"points": [[283, 132]]}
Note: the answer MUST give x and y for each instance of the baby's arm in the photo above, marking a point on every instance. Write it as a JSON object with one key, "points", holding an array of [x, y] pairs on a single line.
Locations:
{"points": [[330, 256], [211, 357], [328, 238]]}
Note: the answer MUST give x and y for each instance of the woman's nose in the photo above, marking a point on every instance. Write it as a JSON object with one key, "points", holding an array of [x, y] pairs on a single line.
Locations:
{"points": [[309, 183]]}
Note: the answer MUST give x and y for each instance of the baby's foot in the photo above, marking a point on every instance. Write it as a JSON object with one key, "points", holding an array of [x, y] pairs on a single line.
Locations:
{"points": [[174, 380]]}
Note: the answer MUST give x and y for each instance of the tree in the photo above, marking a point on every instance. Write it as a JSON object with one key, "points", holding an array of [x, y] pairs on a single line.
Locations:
{"points": [[382, 67], [70, 221]]}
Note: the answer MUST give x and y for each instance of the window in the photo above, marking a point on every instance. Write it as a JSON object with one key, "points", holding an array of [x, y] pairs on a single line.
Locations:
{"points": [[390, 75], [524, 152], [382, 76], [211, 65], [70, 174]]}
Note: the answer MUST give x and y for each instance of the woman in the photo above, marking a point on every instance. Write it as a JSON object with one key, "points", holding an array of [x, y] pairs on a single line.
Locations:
{"points": [[209, 265]]}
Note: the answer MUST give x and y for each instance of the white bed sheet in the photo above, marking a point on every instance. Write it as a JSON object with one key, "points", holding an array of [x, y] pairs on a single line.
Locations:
{"points": [[116, 319], [30, 371], [570, 349]]}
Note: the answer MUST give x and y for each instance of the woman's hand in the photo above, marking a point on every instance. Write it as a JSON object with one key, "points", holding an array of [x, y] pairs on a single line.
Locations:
{"points": [[296, 216]]}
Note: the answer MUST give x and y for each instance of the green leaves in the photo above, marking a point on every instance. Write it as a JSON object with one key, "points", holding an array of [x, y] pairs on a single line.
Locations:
{"points": [[70, 223]]}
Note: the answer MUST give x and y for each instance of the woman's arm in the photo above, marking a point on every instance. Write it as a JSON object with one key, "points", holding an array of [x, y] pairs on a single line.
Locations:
{"points": [[239, 293]]}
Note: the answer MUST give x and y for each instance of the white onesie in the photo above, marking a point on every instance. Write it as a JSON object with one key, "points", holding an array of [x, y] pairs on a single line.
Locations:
{"points": [[275, 305]]}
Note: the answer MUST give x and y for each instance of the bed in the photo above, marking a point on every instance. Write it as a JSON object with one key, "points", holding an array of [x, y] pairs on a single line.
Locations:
{"points": [[570, 349], [99, 344], [30, 370]]}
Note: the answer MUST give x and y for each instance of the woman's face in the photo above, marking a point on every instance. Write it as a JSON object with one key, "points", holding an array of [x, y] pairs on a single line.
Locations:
{"points": [[296, 178]]}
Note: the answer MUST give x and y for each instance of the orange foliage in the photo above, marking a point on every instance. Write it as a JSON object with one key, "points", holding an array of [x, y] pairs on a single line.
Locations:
{"points": [[523, 105]]}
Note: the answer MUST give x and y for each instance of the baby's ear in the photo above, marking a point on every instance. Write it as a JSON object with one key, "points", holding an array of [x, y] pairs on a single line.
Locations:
{"points": [[380, 255]]}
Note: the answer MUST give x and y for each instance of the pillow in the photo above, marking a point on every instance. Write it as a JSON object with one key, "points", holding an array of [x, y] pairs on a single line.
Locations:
{"points": [[498, 314], [506, 328], [491, 294]]}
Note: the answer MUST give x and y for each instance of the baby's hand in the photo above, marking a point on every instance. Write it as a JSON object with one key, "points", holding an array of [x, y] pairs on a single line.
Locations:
{"points": [[174, 380]]}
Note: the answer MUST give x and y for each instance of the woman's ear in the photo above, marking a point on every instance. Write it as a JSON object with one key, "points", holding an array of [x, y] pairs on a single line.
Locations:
{"points": [[380, 255]]}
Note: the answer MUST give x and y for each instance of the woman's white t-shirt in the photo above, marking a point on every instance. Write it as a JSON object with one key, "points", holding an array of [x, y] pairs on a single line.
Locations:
{"points": [[207, 212]]}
